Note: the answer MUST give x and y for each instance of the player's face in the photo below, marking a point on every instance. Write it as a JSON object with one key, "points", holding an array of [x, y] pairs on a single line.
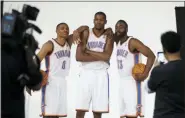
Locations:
{"points": [[99, 22], [63, 31], [120, 29]]}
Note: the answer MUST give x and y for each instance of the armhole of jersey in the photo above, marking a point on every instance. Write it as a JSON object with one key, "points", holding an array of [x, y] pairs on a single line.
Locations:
{"points": [[52, 48], [90, 31], [106, 42], [135, 53], [130, 38], [88, 38]]}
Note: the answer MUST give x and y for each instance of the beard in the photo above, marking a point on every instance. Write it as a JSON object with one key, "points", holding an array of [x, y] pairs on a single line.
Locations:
{"points": [[120, 35], [117, 37], [98, 28]]}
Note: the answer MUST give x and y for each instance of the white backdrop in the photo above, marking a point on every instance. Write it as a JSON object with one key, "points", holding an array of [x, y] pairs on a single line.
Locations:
{"points": [[146, 21]]}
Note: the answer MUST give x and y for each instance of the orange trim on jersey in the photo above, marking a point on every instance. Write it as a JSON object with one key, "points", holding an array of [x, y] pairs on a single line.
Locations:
{"points": [[131, 115], [108, 91], [85, 110], [138, 105], [138, 113], [101, 111], [53, 115], [43, 101]]}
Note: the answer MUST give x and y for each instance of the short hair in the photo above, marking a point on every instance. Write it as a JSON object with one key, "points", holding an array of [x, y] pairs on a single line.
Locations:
{"points": [[124, 22], [101, 13], [171, 42], [61, 24]]}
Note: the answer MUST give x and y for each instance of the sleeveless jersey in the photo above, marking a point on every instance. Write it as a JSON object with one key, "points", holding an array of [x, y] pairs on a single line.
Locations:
{"points": [[58, 62], [96, 44], [125, 59]]}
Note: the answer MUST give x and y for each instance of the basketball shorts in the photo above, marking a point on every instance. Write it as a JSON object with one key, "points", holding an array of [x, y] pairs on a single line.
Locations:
{"points": [[131, 97], [54, 98], [93, 87]]}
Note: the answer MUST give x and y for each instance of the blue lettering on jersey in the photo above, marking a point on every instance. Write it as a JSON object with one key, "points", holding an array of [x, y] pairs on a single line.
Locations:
{"points": [[96, 44], [62, 53], [121, 52]]}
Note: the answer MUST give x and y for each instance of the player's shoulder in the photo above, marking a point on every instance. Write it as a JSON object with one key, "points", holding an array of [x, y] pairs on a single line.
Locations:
{"points": [[134, 39], [48, 45], [133, 42], [49, 42]]}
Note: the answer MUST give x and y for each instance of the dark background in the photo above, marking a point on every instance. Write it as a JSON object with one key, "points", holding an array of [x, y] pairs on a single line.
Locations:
{"points": [[180, 23]]}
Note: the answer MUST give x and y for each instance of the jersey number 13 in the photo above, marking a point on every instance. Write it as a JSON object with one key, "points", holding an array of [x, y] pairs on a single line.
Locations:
{"points": [[120, 64]]}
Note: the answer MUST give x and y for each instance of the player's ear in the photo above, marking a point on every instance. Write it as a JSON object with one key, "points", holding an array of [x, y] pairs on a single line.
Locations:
{"points": [[105, 21], [126, 29], [94, 21]]}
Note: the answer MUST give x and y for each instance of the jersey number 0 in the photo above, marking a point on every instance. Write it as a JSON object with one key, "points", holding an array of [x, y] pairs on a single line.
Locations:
{"points": [[63, 64]]}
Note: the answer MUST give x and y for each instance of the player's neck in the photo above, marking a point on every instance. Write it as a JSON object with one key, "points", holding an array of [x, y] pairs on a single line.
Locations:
{"points": [[124, 39], [61, 40], [98, 32]]}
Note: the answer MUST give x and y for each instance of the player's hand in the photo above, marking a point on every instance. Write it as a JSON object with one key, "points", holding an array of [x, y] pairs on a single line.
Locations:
{"points": [[140, 77], [44, 78], [76, 37], [44, 81], [109, 33]]}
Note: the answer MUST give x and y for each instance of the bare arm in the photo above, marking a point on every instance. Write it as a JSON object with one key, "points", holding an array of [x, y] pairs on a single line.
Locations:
{"points": [[46, 49], [76, 34], [146, 51], [80, 52], [82, 28], [106, 54]]}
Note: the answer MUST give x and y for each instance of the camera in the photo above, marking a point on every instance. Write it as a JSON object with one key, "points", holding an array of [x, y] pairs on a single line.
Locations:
{"points": [[15, 24], [14, 27], [161, 58]]}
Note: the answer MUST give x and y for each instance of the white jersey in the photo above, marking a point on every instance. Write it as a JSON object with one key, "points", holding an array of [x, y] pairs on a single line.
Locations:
{"points": [[96, 44], [58, 62], [126, 59]]}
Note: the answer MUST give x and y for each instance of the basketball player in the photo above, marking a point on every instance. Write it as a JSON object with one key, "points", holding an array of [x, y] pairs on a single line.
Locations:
{"points": [[57, 55], [128, 54], [94, 52]]}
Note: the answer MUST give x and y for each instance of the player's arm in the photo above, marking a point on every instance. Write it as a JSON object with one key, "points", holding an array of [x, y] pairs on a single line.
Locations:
{"points": [[76, 34], [46, 49], [135, 44], [106, 54], [80, 51], [82, 28]]}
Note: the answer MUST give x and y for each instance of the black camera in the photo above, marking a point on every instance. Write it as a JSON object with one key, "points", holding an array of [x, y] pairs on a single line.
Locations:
{"points": [[14, 33], [15, 24]]}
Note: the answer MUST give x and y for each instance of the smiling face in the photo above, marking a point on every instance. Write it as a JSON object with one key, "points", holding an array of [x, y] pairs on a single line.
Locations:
{"points": [[121, 29]]}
